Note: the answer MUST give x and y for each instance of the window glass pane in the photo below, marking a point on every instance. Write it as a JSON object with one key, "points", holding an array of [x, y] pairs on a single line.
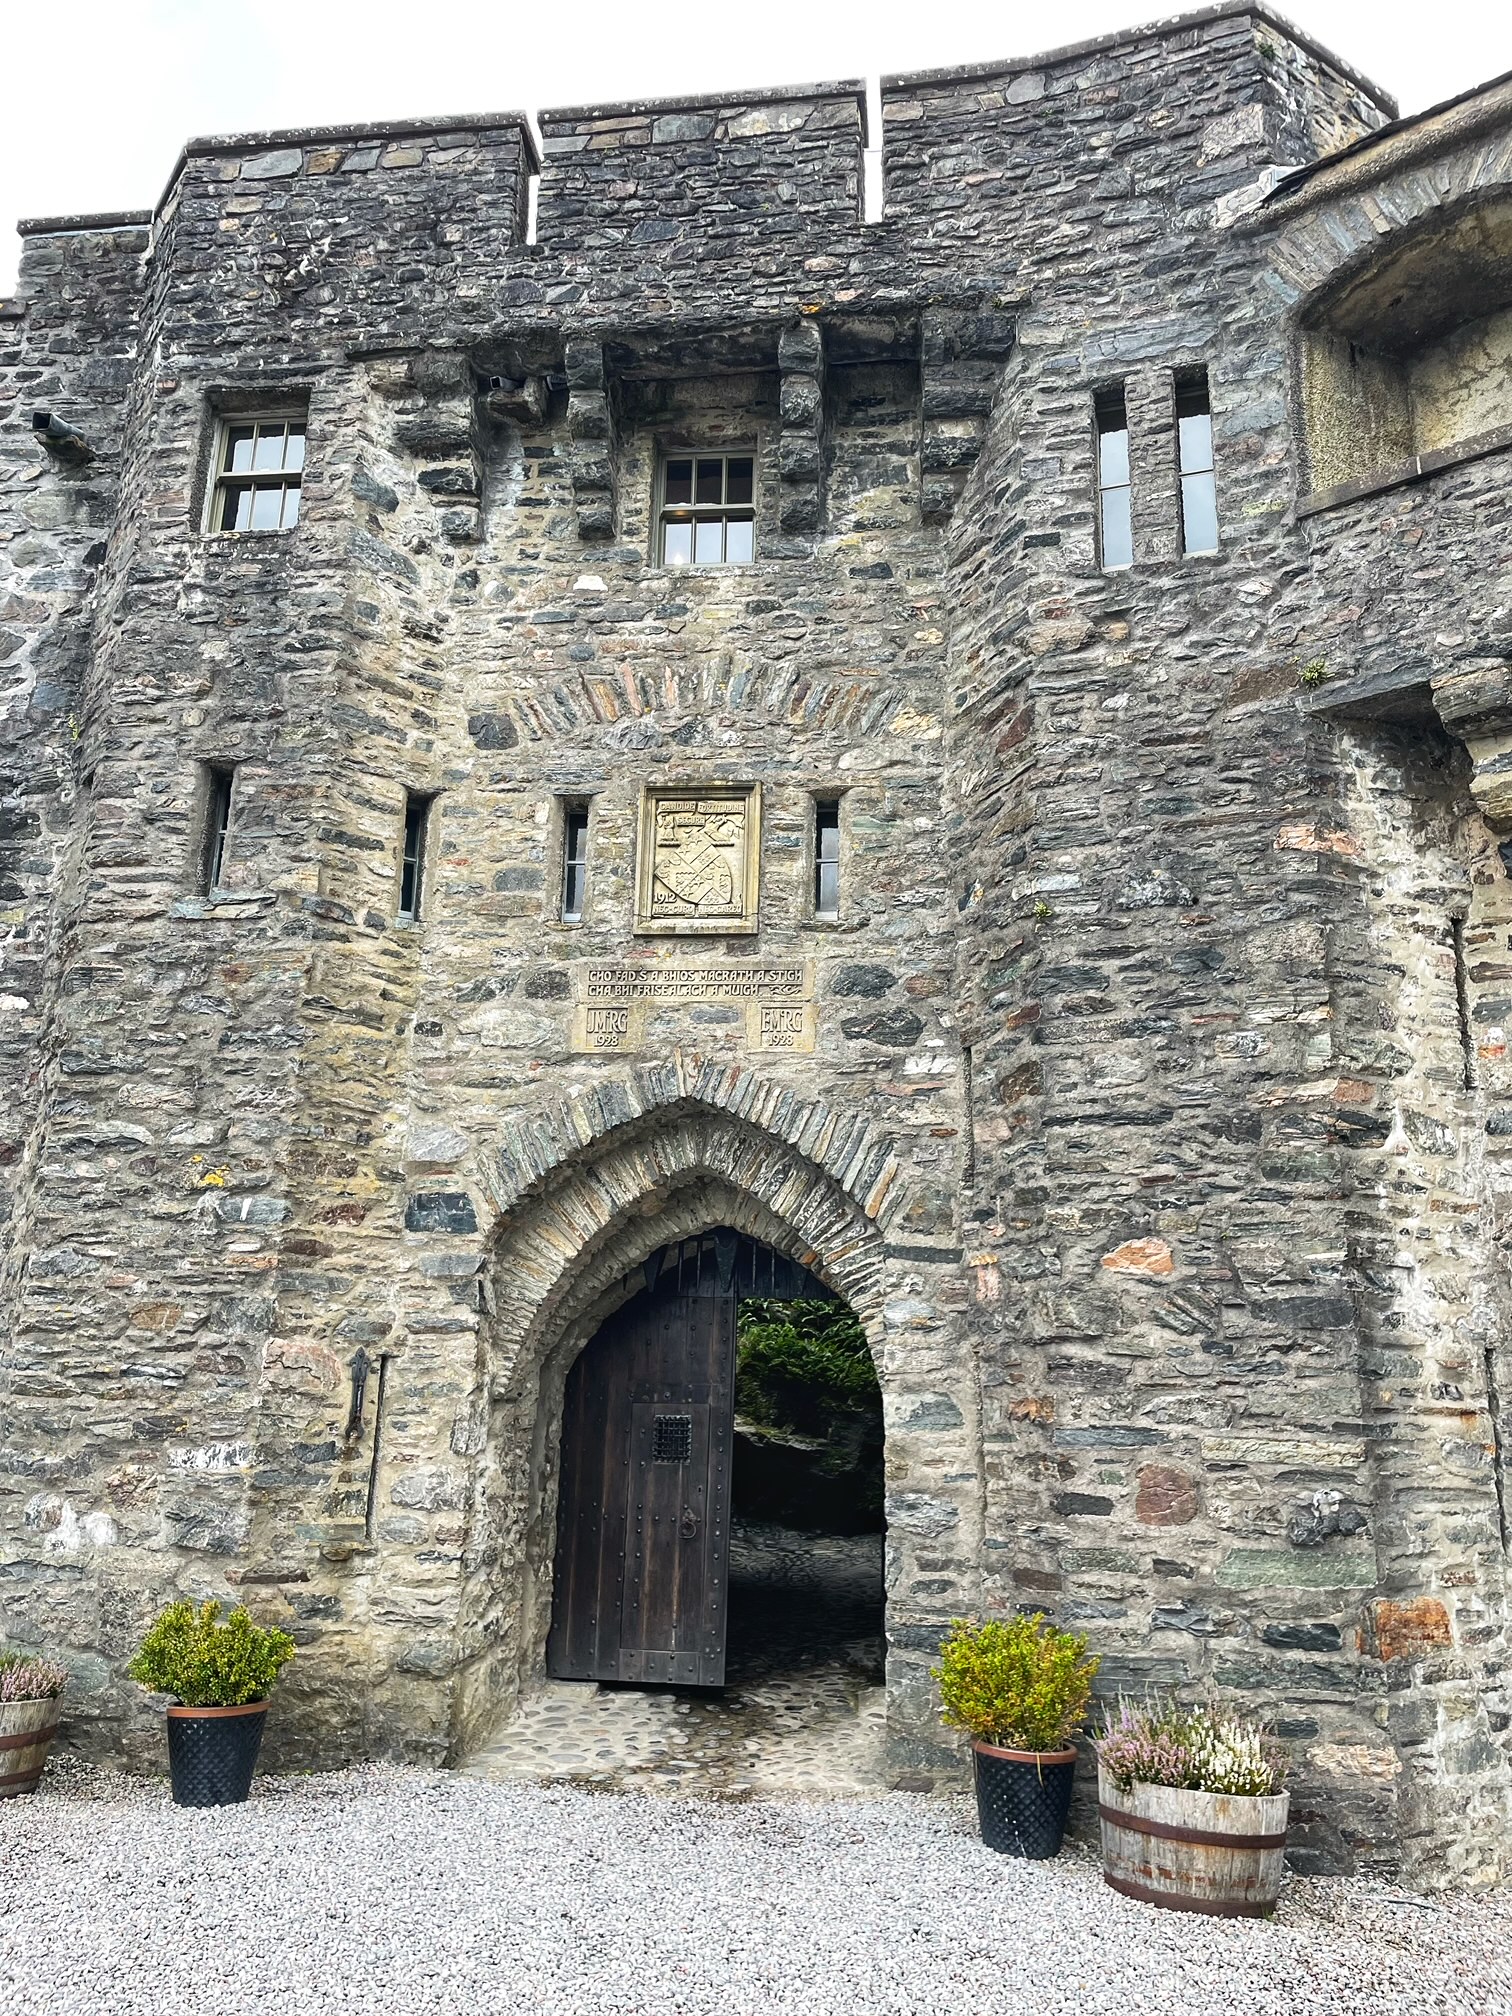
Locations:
{"points": [[412, 863], [575, 865], [1117, 536], [291, 506], [827, 889], [677, 545], [240, 502], [267, 509], [1113, 457], [710, 481], [294, 456], [217, 827], [708, 542], [1196, 432], [742, 474], [270, 446], [740, 542], [1199, 513], [239, 447], [679, 483]]}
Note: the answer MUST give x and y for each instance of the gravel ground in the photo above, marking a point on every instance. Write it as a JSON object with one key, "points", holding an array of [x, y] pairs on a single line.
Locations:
{"points": [[411, 1892]]}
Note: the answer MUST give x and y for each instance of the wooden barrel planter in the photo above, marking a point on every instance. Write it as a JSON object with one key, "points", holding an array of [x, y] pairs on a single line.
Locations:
{"points": [[27, 1729], [1193, 1851]]}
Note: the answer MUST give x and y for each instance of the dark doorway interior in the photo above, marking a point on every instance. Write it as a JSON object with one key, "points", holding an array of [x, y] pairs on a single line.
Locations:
{"points": [[720, 1506], [806, 1571]]}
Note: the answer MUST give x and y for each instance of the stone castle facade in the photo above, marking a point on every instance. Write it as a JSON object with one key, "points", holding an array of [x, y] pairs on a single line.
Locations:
{"points": [[1144, 1083]]}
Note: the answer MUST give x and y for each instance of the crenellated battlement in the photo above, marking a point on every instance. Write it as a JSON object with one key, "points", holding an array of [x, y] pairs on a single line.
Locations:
{"points": [[706, 178]]}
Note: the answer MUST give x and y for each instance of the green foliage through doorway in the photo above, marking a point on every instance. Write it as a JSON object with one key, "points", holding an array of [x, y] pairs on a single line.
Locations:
{"points": [[801, 1364]]}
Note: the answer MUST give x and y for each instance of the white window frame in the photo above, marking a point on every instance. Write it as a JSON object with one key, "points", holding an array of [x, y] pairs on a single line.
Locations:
{"points": [[223, 481], [723, 513]]}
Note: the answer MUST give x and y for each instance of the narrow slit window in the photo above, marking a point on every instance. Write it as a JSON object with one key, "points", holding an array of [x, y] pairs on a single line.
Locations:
{"points": [[707, 516], [219, 779], [574, 862], [1114, 524], [412, 860], [1199, 484], [827, 857], [259, 470]]}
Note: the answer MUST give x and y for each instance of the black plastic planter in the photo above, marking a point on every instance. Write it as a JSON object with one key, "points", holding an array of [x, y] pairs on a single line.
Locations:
{"points": [[211, 1753], [1023, 1797]]}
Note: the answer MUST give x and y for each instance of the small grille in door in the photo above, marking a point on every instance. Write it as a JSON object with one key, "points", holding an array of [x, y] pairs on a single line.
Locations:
{"points": [[672, 1438]]}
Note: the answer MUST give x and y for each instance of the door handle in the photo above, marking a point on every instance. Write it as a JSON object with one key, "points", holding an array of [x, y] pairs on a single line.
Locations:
{"points": [[689, 1527]]}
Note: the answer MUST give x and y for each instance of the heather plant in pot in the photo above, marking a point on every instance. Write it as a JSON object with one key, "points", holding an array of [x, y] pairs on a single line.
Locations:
{"points": [[219, 1674], [31, 1692], [1193, 1808], [1019, 1687]]}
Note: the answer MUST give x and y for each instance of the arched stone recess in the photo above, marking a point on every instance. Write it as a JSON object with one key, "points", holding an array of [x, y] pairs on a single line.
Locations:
{"points": [[585, 1192], [1401, 300], [1401, 293]]}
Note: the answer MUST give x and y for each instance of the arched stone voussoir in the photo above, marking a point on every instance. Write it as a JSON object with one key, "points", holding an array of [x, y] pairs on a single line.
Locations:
{"points": [[566, 1243], [848, 1150], [1339, 242], [596, 1288]]}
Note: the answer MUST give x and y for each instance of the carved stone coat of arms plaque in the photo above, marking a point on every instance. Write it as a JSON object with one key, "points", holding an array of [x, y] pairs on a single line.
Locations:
{"points": [[700, 860]]}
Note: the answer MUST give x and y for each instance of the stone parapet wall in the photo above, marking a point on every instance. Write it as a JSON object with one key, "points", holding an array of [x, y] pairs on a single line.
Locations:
{"points": [[1109, 117], [700, 173], [368, 234]]}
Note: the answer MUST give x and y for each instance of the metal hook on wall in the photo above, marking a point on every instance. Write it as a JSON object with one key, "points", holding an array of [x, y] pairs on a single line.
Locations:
{"points": [[359, 1366]]}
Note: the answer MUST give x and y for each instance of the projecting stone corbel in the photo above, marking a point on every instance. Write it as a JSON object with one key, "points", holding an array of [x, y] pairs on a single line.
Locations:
{"points": [[522, 400], [800, 446], [436, 424], [960, 360], [590, 425], [1475, 706]]}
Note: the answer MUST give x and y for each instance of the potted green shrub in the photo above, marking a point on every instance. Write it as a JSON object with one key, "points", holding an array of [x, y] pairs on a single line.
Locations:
{"points": [[31, 1690], [1019, 1687], [1193, 1809], [219, 1675]]}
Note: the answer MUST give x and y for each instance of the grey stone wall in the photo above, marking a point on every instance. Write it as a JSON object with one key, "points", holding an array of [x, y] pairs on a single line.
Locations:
{"points": [[1151, 1121]]}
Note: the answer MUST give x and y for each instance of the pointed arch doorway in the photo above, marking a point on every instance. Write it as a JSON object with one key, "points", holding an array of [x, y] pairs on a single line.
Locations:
{"points": [[640, 1591]]}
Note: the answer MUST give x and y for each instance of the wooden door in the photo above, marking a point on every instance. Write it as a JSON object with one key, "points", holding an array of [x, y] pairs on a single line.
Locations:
{"points": [[643, 1513]]}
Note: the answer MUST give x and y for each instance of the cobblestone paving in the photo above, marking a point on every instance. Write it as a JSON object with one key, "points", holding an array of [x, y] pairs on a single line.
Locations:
{"points": [[803, 1710]]}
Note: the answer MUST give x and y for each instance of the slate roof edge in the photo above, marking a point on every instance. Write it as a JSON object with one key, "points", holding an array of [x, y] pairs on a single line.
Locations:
{"points": [[709, 101], [1171, 24], [1290, 184], [84, 221]]}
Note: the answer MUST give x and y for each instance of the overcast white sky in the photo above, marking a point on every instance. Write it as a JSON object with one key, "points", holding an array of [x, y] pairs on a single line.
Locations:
{"points": [[102, 93]]}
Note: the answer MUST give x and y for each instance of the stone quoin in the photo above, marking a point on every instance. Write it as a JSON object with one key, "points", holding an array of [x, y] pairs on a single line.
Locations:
{"points": [[970, 746]]}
